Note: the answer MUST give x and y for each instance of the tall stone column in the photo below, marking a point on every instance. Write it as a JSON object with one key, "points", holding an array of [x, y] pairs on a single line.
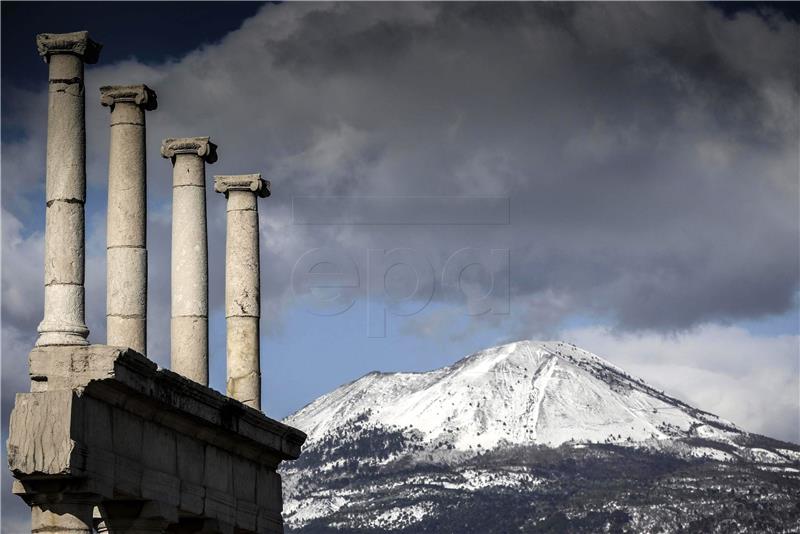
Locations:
{"points": [[126, 249], [189, 324], [242, 285], [64, 320]]}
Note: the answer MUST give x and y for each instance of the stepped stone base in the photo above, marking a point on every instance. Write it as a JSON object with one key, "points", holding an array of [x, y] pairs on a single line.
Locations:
{"points": [[107, 440]]}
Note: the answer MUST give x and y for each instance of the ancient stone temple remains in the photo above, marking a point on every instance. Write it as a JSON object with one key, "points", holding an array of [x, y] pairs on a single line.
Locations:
{"points": [[105, 440]]}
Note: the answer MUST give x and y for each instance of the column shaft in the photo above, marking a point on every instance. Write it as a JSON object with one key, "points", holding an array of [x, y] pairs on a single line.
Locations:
{"points": [[189, 326], [126, 297], [242, 299], [64, 322]]}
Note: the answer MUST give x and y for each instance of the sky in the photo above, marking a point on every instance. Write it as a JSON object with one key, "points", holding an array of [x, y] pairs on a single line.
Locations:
{"points": [[449, 177]]}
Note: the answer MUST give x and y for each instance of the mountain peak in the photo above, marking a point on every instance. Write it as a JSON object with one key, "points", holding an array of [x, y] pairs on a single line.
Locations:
{"points": [[526, 392]]}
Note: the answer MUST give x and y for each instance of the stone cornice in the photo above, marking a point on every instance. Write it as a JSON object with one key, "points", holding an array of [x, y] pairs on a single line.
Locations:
{"points": [[77, 43], [200, 146], [242, 182], [141, 95], [102, 371]]}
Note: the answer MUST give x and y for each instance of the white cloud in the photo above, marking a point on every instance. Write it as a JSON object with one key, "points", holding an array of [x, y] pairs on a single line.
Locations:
{"points": [[752, 380], [22, 273]]}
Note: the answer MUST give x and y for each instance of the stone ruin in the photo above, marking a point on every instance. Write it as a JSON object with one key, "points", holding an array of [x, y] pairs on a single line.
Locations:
{"points": [[106, 441]]}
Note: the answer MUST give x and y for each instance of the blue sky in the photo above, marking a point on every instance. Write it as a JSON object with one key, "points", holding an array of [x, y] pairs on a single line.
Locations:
{"points": [[648, 155]]}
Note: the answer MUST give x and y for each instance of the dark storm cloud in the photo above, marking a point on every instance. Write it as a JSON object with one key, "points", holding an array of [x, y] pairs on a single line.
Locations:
{"points": [[649, 151]]}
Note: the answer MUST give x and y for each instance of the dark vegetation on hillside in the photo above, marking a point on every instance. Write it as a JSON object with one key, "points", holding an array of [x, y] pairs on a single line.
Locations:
{"points": [[596, 488]]}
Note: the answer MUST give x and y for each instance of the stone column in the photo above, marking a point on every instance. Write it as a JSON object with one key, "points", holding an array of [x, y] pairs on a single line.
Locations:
{"points": [[242, 285], [126, 252], [64, 322], [189, 325]]}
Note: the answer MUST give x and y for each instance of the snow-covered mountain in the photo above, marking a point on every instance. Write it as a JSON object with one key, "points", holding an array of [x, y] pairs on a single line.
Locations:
{"points": [[522, 393], [398, 435]]}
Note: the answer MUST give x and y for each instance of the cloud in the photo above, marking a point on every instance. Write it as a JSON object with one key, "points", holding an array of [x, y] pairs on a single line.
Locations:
{"points": [[754, 381], [648, 151]]}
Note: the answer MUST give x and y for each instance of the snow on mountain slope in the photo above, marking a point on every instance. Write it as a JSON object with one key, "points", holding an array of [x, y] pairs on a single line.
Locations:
{"points": [[527, 392]]}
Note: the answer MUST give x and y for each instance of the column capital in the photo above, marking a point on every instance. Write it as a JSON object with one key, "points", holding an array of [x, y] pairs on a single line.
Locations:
{"points": [[199, 146], [77, 43], [141, 95], [242, 182]]}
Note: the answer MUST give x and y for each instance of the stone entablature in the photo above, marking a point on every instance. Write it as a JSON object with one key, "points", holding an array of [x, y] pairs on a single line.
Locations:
{"points": [[104, 424]]}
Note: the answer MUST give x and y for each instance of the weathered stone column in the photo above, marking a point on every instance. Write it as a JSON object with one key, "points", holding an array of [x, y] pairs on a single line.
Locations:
{"points": [[126, 233], [189, 325], [242, 285], [64, 320]]}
